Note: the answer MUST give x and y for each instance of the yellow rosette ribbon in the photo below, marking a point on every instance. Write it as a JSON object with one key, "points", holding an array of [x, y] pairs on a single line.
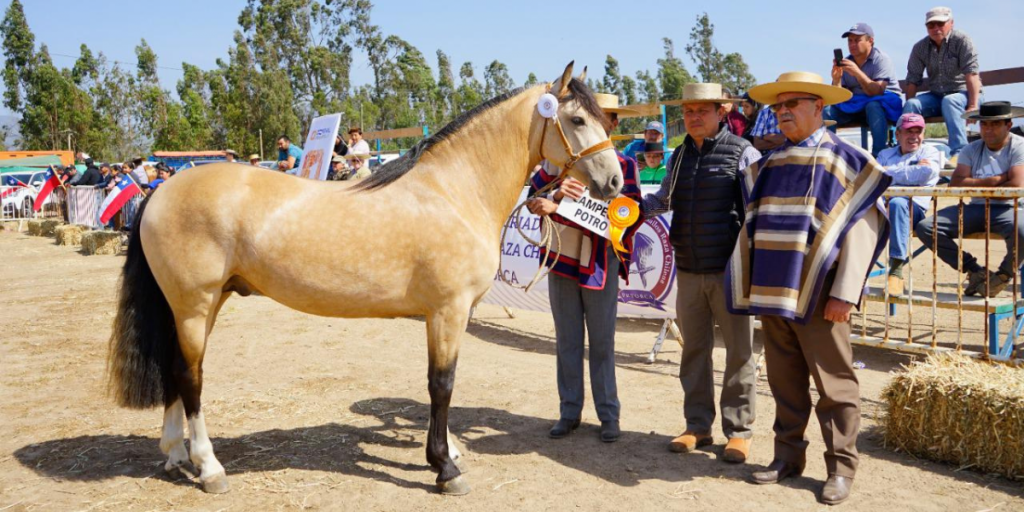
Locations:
{"points": [[623, 212]]}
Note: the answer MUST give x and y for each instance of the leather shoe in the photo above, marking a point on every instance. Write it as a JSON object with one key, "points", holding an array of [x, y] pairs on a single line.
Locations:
{"points": [[610, 431], [777, 471], [563, 428], [836, 490], [737, 450]]}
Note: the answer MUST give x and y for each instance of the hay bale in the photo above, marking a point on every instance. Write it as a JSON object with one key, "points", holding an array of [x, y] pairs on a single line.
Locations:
{"points": [[70, 234], [47, 227], [35, 227], [959, 410], [101, 242], [16, 226]]}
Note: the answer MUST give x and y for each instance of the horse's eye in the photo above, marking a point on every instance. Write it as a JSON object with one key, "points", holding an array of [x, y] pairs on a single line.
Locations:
{"points": [[578, 121]]}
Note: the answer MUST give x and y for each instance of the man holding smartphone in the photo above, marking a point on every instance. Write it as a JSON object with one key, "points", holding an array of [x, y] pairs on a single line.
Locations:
{"points": [[868, 73]]}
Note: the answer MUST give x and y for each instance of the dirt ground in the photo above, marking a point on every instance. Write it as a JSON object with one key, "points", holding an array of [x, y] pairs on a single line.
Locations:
{"points": [[328, 414]]}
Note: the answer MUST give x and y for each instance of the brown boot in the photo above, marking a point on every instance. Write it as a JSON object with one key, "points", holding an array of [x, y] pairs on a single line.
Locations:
{"points": [[895, 285], [690, 441], [737, 450]]}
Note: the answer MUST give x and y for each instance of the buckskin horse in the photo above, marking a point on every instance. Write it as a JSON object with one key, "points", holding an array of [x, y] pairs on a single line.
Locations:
{"points": [[224, 228]]}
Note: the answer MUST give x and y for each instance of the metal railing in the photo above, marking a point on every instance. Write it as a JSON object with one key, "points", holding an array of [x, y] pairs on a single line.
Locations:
{"points": [[994, 308]]}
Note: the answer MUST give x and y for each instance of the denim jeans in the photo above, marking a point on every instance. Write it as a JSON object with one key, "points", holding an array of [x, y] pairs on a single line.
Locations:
{"points": [[873, 115], [899, 232], [945, 226], [951, 107]]}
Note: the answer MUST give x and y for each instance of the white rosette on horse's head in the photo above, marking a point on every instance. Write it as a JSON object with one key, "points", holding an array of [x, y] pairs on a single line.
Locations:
{"points": [[547, 105]]}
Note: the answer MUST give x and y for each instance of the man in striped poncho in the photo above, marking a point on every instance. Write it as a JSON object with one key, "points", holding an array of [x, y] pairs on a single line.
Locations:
{"points": [[814, 224]]}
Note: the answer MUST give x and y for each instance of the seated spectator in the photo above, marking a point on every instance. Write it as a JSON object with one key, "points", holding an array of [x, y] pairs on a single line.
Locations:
{"points": [[954, 86], [766, 134], [359, 165], [356, 144], [869, 74], [230, 155], [654, 166], [254, 160], [750, 109], [911, 164], [734, 120], [996, 160], [654, 132], [340, 148], [337, 171], [288, 155]]}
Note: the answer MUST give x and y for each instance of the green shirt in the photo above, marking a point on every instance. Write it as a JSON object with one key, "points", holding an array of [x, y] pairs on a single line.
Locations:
{"points": [[652, 175]]}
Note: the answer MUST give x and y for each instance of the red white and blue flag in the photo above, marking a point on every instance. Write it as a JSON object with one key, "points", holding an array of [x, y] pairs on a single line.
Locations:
{"points": [[52, 182], [11, 186], [118, 197]]}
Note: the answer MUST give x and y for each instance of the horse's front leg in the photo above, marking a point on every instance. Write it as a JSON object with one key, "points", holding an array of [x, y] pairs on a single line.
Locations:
{"points": [[444, 331]]}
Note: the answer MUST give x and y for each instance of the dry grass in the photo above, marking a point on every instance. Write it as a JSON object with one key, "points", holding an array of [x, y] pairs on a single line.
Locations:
{"points": [[101, 242], [959, 410]]}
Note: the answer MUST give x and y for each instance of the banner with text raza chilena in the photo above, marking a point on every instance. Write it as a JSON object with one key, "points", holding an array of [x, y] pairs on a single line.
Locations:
{"points": [[651, 292]]}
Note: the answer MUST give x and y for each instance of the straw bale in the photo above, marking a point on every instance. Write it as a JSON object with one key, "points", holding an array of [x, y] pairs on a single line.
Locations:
{"points": [[959, 410], [47, 227], [101, 242], [35, 227], [13, 225], [70, 234]]}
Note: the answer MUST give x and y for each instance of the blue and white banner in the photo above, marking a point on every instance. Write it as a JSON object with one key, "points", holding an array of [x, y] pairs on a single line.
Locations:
{"points": [[651, 292]]}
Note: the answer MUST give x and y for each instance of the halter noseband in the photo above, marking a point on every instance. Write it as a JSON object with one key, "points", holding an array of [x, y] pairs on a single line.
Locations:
{"points": [[573, 156]]}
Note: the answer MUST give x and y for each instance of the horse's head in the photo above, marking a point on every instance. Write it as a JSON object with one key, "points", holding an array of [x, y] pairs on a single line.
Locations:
{"points": [[576, 138]]}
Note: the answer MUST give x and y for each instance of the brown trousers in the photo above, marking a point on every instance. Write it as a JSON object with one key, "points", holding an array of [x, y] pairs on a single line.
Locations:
{"points": [[820, 350]]}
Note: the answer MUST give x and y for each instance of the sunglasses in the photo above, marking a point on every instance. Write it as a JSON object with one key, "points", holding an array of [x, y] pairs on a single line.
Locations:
{"points": [[790, 104], [935, 24]]}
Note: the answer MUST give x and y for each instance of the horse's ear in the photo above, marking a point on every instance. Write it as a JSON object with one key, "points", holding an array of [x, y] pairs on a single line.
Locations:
{"points": [[583, 75], [563, 83]]}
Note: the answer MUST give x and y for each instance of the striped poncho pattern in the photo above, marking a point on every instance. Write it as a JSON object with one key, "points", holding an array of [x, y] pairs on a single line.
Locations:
{"points": [[802, 200]]}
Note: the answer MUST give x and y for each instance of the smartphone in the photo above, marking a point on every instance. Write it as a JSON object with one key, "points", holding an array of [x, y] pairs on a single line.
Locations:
{"points": [[837, 54]]}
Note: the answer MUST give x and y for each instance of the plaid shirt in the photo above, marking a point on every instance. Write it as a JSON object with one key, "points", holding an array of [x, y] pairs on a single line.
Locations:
{"points": [[766, 124], [946, 65]]}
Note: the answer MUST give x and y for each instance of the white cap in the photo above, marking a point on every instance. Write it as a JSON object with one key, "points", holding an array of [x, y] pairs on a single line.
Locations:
{"points": [[942, 14]]}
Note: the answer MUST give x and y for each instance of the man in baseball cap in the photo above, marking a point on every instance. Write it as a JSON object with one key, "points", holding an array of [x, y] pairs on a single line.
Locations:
{"points": [[654, 132], [954, 86], [869, 74], [911, 164]]}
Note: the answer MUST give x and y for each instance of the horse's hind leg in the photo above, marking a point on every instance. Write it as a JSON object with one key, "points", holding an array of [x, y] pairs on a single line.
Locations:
{"points": [[172, 442], [193, 329], [444, 329]]}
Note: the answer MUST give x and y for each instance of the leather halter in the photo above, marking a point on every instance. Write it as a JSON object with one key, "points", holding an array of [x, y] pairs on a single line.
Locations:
{"points": [[573, 156]]}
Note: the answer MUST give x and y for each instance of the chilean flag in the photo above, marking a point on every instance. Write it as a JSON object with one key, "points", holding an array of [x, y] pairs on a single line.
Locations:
{"points": [[12, 185], [52, 182], [117, 197]]}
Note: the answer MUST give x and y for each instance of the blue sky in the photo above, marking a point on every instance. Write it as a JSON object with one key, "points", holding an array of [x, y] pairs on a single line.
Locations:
{"points": [[542, 36]]}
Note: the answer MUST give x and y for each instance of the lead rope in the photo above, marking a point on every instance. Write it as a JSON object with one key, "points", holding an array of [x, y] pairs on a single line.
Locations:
{"points": [[547, 228]]}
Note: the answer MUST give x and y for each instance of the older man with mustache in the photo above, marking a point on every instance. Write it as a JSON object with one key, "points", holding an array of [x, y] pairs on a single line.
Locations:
{"points": [[813, 227]]}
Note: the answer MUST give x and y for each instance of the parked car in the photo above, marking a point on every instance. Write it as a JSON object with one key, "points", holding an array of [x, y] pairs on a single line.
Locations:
{"points": [[17, 201]]}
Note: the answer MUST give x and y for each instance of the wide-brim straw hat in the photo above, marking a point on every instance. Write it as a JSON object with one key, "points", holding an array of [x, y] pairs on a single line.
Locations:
{"points": [[994, 111], [610, 104], [799, 81], [360, 156], [701, 93]]}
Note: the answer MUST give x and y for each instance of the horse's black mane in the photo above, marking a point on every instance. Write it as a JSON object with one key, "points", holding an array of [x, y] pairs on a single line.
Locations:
{"points": [[395, 169]]}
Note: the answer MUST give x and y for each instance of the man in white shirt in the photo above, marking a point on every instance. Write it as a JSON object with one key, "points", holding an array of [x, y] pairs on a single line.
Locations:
{"points": [[356, 143]]}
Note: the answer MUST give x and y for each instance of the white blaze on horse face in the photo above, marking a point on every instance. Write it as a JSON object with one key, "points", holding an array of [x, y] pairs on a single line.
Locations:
{"points": [[172, 440], [202, 449]]}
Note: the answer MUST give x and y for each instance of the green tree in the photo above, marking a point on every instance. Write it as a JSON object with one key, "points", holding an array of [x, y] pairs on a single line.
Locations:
{"points": [[713, 66], [648, 87], [471, 91], [672, 76], [19, 52], [531, 80], [497, 80], [611, 82], [445, 88]]}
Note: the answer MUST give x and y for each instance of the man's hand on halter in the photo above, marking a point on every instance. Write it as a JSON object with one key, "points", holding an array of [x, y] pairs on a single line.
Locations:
{"points": [[837, 311], [570, 187]]}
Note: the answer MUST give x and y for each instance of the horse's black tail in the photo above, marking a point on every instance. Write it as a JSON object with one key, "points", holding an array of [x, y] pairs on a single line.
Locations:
{"points": [[144, 343]]}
